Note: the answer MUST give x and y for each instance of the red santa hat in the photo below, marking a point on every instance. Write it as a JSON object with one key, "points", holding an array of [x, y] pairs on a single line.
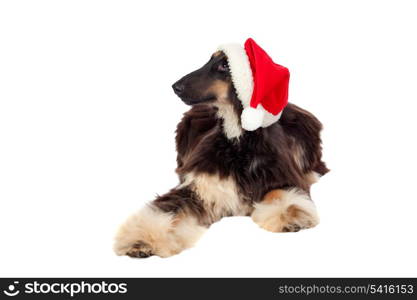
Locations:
{"points": [[261, 85]]}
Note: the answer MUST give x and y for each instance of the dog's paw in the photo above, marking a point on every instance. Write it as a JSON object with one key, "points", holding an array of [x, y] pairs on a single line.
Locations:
{"points": [[297, 218], [144, 234], [286, 211], [140, 250], [133, 248], [154, 232]]}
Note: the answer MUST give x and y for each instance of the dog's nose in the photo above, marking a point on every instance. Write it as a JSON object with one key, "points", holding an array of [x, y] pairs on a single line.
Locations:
{"points": [[178, 88]]}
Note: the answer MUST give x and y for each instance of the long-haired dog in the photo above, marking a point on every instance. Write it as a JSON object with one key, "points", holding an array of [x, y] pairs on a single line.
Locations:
{"points": [[225, 170]]}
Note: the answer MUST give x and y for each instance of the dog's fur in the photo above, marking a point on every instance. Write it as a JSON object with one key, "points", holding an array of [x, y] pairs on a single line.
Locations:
{"points": [[226, 171]]}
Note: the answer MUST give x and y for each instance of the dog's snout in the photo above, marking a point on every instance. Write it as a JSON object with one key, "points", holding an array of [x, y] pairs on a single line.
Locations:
{"points": [[178, 88]]}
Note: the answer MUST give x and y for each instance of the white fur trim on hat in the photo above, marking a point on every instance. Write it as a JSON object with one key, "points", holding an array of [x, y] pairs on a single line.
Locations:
{"points": [[242, 79], [240, 70], [252, 118]]}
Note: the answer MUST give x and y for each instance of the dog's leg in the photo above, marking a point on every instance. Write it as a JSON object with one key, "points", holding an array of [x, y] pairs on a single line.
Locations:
{"points": [[285, 211], [163, 232]]}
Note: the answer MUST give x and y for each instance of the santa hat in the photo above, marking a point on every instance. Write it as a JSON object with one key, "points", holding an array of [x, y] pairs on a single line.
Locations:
{"points": [[261, 85]]}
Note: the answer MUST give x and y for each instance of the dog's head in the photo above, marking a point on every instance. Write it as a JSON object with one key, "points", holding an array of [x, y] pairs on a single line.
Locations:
{"points": [[211, 84]]}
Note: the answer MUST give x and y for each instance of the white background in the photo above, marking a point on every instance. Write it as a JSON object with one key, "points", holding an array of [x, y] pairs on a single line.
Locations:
{"points": [[87, 120]]}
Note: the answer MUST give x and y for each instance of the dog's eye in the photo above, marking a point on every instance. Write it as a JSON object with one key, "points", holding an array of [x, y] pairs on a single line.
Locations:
{"points": [[223, 67]]}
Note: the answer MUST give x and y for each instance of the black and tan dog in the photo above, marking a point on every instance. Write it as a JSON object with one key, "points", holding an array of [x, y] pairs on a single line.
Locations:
{"points": [[225, 170]]}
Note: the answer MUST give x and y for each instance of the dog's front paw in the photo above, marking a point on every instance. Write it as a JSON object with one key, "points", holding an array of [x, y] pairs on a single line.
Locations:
{"points": [[286, 211], [140, 250], [298, 217], [132, 248], [137, 249], [148, 232], [154, 232]]}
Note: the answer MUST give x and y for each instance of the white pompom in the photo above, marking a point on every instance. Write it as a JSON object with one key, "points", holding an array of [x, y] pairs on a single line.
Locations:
{"points": [[252, 118]]}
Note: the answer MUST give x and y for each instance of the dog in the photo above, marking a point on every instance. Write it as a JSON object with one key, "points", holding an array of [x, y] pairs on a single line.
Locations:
{"points": [[225, 170]]}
